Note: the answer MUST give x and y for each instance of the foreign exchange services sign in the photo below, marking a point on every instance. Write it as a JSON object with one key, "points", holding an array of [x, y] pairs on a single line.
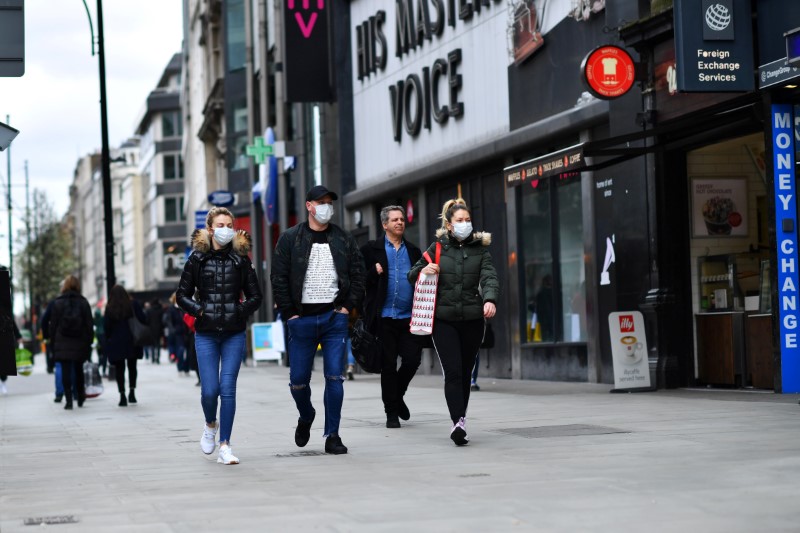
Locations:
{"points": [[713, 45]]}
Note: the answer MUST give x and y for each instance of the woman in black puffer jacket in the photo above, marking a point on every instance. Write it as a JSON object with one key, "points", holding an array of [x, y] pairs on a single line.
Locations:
{"points": [[221, 273]]}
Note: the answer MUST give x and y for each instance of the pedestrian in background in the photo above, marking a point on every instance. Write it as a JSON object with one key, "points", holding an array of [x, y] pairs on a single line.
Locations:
{"points": [[466, 294], [387, 310], [119, 340], [71, 331], [175, 330], [155, 313], [220, 270], [317, 278], [100, 338]]}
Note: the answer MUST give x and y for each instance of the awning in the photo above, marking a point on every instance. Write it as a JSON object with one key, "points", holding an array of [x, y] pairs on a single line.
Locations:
{"points": [[602, 153]]}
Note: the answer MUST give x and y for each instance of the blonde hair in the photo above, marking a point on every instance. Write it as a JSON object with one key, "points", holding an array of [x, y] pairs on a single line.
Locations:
{"points": [[215, 212], [450, 207]]}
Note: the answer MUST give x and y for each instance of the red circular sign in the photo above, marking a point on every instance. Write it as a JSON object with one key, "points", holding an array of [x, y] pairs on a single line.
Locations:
{"points": [[608, 71]]}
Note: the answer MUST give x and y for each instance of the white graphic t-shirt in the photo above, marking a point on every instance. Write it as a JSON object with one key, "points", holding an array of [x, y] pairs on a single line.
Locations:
{"points": [[321, 284]]}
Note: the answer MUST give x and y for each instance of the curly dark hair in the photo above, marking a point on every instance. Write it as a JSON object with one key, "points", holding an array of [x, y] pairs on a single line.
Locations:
{"points": [[119, 303]]}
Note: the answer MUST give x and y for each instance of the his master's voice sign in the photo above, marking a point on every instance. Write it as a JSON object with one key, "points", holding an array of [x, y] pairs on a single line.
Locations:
{"points": [[629, 350]]}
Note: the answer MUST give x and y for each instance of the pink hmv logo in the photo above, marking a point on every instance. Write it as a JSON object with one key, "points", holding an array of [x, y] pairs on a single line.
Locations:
{"points": [[626, 323], [305, 27]]}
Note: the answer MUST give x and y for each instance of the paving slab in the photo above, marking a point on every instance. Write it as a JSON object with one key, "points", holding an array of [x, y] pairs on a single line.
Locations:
{"points": [[543, 456]]}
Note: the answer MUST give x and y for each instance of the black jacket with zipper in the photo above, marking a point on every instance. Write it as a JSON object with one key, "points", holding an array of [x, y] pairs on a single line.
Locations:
{"points": [[220, 278]]}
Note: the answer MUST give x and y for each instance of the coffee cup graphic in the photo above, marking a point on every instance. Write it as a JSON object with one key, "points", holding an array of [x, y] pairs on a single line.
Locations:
{"points": [[631, 349]]}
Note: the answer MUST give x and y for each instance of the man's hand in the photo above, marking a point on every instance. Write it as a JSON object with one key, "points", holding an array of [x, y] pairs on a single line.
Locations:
{"points": [[343, 310], [293, 317], [378, 268]]}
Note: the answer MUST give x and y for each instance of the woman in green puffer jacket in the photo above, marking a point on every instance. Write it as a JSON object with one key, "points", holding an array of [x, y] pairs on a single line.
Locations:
{"points": [[465, 298]]}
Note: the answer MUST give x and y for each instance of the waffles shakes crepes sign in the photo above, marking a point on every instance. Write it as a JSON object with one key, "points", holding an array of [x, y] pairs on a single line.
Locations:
{"points": [[629, 350]]}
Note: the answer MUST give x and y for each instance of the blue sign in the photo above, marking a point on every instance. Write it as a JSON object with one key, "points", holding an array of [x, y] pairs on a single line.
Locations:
{"points": [[786, 236], [221, 198], [713, 45], [200, 219]]}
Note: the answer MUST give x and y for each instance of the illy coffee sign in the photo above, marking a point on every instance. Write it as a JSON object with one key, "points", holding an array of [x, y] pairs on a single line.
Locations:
{"points": [[713, 46], [629, 350]]}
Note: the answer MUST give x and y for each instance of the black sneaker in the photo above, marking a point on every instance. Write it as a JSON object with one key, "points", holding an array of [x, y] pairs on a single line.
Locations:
{"points": [[303, 431], [333, 444], [131, 397], [404, 413], [58, 398], [392, 422], [459, 433], [474, 387], [123, 402]]}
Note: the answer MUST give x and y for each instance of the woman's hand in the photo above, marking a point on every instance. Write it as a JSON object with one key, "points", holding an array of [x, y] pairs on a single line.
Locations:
{"points": [[430, 268], [489, 310]]}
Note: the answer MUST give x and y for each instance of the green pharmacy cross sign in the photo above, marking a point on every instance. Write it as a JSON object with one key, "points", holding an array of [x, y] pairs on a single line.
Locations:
{"points": [[259, 151]]}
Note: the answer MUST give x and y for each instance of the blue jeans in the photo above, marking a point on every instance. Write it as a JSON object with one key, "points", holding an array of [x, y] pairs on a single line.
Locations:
{"points": [[219, 356], [59, 372], [176, 345], [305, 333], [351, 360]]}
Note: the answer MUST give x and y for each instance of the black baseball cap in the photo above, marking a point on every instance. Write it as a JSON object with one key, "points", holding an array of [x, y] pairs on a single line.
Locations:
{"points": [[318, 191]]}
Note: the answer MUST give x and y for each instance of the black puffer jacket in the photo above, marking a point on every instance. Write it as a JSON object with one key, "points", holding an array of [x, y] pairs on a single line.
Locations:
{"points": [[77, 345], [290, 262], [220, 277]]}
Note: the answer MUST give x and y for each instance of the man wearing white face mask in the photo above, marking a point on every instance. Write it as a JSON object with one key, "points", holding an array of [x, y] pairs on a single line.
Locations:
{"points": [[317, 279]]}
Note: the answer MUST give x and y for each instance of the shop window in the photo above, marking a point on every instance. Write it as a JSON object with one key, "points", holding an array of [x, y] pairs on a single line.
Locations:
{"points": [[552, 244]]}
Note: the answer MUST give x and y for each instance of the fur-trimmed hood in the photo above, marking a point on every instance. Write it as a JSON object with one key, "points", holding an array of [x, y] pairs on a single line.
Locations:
{"points": [[484, 237], [201, 242]]}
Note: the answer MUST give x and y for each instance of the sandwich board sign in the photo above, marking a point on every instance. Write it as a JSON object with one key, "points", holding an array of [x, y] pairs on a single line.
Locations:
{"points": [[629, 350]]}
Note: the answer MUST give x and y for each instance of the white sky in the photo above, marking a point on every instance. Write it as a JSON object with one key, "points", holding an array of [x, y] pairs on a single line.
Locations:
{"points": [[55, 105]]}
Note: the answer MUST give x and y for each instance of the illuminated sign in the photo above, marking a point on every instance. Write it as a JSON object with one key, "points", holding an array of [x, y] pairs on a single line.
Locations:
{"points": [[608, 72], [786, 229]]}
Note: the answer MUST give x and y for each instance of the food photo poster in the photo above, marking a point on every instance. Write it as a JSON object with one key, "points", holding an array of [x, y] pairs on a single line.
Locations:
{"points": [[719, 207]]}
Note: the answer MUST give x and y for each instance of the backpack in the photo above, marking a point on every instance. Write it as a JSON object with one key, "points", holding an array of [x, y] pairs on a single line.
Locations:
{"points": [[70, 320]]}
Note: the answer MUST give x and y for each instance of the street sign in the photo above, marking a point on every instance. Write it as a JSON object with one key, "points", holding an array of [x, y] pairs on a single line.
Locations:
{"points": [[200, 219], [221, 198], [608, 71], [12, 39], [259, 151], [629, 350]]}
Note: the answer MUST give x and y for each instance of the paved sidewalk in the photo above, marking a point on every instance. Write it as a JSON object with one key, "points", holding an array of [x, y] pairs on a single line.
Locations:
{"points": [[542, 457]]}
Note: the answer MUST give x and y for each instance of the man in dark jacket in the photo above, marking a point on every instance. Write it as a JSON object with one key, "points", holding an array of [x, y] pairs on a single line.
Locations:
{"points": [[317, 278], [387, 310]]}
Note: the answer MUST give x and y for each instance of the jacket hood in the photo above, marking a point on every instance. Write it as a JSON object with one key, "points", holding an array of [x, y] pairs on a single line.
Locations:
{"points": [[484, 237], [201, 242]]}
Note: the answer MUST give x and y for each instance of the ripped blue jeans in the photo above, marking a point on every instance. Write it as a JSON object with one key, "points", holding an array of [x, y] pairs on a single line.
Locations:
{"points": [[306, 332]]}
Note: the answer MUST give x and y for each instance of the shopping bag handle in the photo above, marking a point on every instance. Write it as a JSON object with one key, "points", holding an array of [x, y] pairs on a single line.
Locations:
{"points": [[427, 256]]}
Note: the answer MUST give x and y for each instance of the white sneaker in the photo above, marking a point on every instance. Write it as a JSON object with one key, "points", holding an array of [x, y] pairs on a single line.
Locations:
{"points": [[208, 440], [3, 389], [226, 456]]}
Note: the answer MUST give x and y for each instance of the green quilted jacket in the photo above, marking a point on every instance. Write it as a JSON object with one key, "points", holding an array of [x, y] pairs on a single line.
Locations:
{"points": [[467, 277]]}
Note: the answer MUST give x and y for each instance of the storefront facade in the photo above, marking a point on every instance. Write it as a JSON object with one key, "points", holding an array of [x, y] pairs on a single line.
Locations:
{"points": [[629, 218]]}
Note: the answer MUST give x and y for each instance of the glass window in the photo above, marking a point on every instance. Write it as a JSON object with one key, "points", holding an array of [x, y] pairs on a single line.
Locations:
{"points": [[554, 271], [538, 255], [173, 167], [171, 124], [571, 265], [235, 34], [173, 209]]}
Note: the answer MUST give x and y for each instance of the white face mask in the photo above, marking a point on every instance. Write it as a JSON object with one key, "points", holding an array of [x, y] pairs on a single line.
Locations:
{"points": [[324, 213], [462, 230], [223, 235]]}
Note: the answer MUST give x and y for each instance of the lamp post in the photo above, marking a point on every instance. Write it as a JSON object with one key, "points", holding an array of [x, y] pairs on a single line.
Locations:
{"points": [[105, 159]]}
